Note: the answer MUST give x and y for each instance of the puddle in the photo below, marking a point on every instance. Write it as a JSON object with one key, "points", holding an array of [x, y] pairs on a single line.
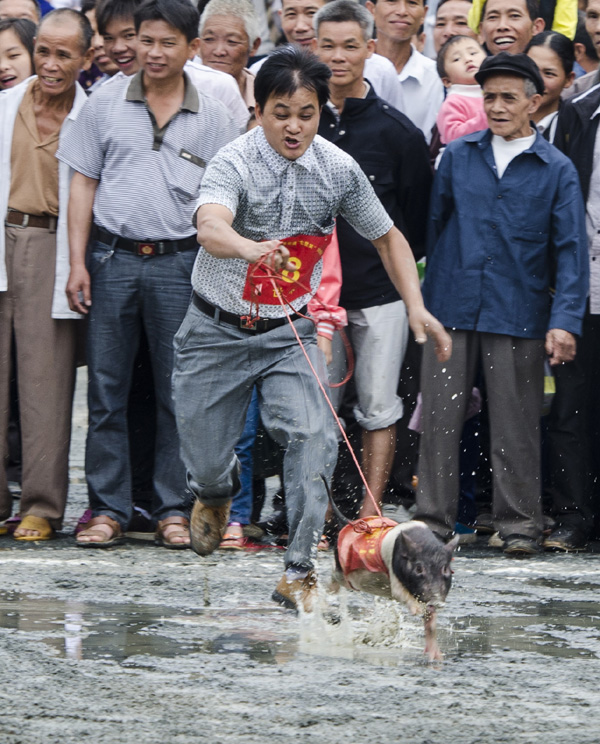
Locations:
{"points": [[377, 634], [121, 631]]}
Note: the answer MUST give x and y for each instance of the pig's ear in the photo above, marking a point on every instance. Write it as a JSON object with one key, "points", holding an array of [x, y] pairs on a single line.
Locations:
{"points": [[450, 546], [408, 546]]}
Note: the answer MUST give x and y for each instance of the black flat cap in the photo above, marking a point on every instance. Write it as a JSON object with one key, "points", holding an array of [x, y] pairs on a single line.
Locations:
{"points": [[511, 64]]}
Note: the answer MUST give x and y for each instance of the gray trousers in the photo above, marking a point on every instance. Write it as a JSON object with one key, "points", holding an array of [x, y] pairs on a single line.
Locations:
{"points": [[45, 350], [216, 368], [513, 369]]}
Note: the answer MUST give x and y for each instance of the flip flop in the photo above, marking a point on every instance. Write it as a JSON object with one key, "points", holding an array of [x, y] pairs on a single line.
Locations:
{"points": [[41, 525], [233, 542], [104, 542]]}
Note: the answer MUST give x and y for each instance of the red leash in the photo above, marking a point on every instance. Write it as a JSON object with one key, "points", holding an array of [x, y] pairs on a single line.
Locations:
{"points": [[277, 283]]}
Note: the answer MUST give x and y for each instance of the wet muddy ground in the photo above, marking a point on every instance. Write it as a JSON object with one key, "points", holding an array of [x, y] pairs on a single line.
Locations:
{"points": [[139, 645]]}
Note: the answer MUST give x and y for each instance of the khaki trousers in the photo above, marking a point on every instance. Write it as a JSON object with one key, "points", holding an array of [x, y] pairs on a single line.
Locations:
{"points": [[45, 355], [513, 369]]}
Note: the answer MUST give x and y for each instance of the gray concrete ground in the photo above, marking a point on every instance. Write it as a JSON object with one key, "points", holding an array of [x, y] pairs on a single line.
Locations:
{"points": [[141, 645]]}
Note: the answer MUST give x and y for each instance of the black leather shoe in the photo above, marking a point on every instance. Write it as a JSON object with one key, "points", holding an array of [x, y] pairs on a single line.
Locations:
{"points": [[521, 546], [567, 539]]}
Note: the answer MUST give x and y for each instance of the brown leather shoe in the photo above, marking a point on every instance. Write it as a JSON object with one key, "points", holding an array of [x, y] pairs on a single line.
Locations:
{"points": [[290, 593], [207, 526]]}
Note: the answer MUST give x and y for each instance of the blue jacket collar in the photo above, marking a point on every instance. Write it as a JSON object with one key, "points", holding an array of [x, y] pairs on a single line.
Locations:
{"points": [[540, 146]]}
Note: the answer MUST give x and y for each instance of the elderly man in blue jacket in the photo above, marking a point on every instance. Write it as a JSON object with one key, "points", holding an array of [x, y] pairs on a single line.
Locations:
{"points": [[507, 274]]}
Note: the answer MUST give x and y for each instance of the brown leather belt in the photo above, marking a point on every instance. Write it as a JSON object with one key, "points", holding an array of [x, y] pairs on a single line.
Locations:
{"points": [[19, 219]]}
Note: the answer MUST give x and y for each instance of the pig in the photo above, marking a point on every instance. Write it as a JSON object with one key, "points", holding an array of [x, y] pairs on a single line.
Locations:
{"points": [[405, 562]]}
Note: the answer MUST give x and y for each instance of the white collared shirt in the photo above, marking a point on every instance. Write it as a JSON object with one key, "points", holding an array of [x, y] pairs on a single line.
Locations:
{"points": [[549, 122], [422, 92]]}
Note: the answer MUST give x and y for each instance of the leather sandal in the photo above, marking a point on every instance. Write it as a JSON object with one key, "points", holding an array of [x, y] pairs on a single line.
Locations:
{"points": [[104, 542], [167, 541]]}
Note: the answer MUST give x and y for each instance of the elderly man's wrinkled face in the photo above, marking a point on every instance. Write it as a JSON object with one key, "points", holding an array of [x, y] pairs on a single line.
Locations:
{"points": [[224, 44], [58, 55], [507, 107], [20, 9]]}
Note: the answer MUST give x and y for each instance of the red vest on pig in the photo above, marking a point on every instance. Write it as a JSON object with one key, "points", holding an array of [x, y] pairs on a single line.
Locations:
{"points": [[361, 550]]}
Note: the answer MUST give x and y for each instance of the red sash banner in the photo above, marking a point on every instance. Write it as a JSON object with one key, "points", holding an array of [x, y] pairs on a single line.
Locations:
{"points": [[305, 252]]}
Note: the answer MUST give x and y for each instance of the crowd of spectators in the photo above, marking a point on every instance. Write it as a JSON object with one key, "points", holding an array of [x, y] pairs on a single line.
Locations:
{"points": [[482, 148]]}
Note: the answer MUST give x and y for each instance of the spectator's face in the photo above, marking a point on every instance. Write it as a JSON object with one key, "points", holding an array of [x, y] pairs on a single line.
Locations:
{"points": [[507, 27], [342, 47], [101, 59], [397, 20], [297, 20], [451, 20], [553, 74], [463, 60], [592, 22], [225, 45], [507, 108], [163, 50], [290, 123], [15, 62], [58, 57], [120, 44], [19, 9]]}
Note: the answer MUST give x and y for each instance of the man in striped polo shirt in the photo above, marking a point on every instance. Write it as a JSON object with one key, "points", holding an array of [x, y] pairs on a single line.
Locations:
{"points": [[139, 151]]}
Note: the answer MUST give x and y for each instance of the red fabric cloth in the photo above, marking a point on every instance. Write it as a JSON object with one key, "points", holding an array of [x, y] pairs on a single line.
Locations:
{"points": [[362, 550], [305, 252]]}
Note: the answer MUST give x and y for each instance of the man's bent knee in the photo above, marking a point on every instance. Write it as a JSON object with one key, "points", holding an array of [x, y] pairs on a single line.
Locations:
{"points": [[216, 490]]}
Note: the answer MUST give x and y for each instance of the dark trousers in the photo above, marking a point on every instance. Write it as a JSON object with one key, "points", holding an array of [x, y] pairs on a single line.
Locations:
{"points": [[513, 369], [573, 435]]}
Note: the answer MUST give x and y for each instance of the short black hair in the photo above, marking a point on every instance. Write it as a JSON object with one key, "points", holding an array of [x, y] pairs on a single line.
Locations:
{"points": [[88, 5], [25, 31], [85, 27], [560, 45], [108, 10], [179, 14], [533, 9], [446, 46], [286, 70]]}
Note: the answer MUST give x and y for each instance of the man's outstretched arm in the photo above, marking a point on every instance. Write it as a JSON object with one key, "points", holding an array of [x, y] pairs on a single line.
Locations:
{"points": [[399, 263]]}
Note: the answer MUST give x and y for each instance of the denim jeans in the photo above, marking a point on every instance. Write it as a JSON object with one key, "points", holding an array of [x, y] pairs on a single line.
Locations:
{"points": [[216, 369], [241, 506], [128, 291]]}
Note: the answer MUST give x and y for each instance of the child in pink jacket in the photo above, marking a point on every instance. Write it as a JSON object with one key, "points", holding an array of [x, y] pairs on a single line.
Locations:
{"points": [[462, 111]]}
